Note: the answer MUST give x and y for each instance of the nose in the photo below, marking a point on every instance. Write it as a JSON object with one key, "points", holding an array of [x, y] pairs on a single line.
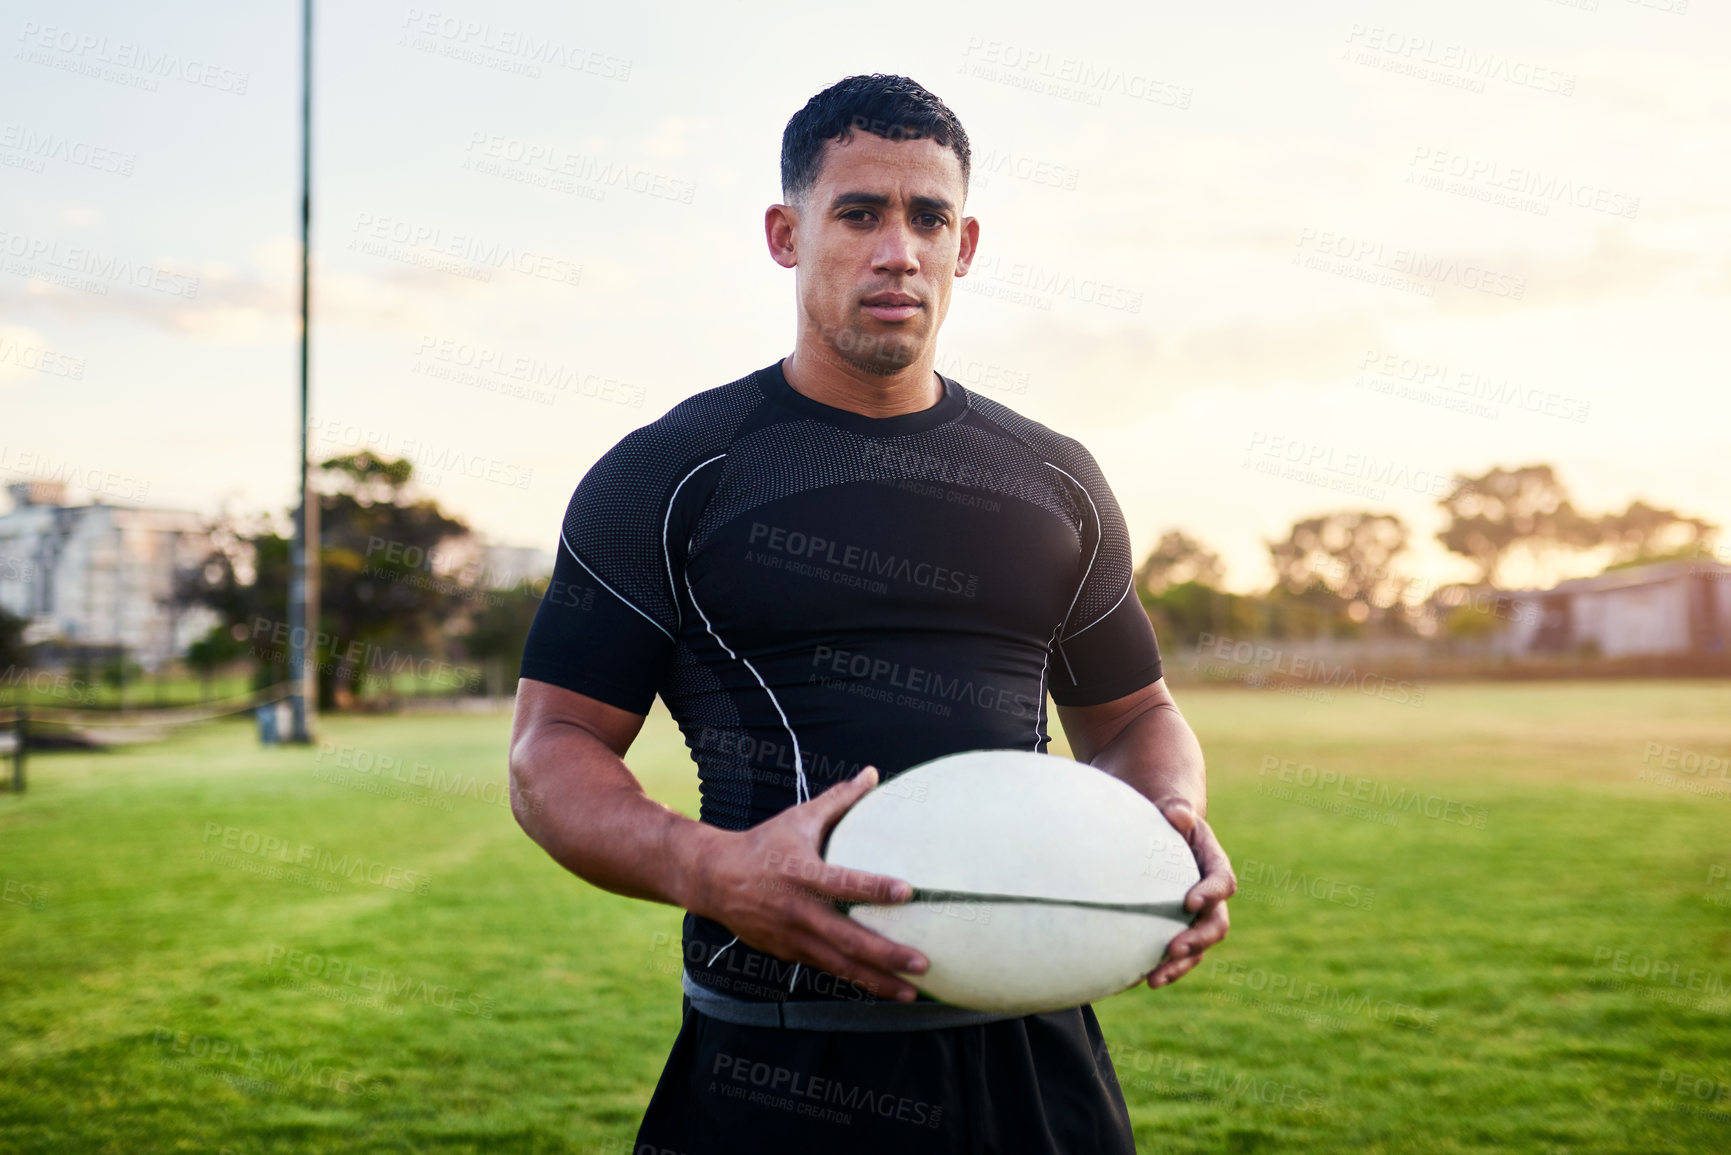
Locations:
{"points": [[896, 252]]}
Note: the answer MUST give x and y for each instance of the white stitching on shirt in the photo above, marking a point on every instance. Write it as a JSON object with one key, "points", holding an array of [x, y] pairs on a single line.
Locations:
{"points": [[721, 952], [801, 791], [1096, 556], [1102, 617], [609, 588], [672, 590]]}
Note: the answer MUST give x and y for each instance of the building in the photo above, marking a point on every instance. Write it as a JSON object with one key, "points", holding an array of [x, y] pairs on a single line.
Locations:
{"points": [[100, 576], [1680, 607]]}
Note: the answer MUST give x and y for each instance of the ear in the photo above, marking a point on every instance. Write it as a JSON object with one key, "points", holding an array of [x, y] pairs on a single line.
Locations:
{"points": [[970, 245], [779, 225]]}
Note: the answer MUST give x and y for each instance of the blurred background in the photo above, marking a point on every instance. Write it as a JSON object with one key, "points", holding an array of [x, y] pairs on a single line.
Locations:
{"points": [[1371, 317], [1398, 330]]}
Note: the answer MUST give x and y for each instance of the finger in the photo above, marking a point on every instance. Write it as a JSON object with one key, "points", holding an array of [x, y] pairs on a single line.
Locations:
{"points": [[850, 885], [1218, 882], [795, 937], [861, 943], [1170, 972], [814, 950], [1180, 813], [1210, 855], [829, 806], [1207, 931], [800, 872], [1214, 889], [1195, 941]]}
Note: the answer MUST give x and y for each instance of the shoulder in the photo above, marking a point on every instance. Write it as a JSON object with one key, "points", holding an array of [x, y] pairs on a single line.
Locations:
{"points": [[658, 454], [616, 523], [626, 493], [1056, 449]]}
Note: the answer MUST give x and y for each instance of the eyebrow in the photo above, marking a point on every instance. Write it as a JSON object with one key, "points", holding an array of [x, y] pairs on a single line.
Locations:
{"points": [[879, 200]]}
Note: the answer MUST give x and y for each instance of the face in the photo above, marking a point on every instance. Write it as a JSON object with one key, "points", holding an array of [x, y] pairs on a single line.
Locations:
{"points": [[876, 246]]}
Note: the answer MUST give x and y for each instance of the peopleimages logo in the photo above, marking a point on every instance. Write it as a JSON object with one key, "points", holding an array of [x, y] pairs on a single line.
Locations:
{"points": [[1362, 257], [271, 848], [807, 1094], [1277, 882], [343, 973], [1264, 660], [89, 54], [1047, 283], [104, 268], [887, 461], [813, 547], [1358, 788], [37, 146], [844, 669]]}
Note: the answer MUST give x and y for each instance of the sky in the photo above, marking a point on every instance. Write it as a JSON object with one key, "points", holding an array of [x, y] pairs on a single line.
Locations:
{"points": [[1265, 261]]}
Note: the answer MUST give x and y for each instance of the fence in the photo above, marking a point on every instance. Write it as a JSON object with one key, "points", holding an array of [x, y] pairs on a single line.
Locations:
{"points": [[105, 727]]}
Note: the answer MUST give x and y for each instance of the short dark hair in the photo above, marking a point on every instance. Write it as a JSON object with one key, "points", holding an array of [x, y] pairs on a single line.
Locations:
{"points": [[893, 107]]}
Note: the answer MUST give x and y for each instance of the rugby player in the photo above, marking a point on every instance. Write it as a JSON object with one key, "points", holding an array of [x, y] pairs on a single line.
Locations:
{"points": [[831, 569]]}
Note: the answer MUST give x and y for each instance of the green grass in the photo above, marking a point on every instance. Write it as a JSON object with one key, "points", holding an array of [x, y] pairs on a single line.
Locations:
{"points": [[60, 690], [1455, 987]]}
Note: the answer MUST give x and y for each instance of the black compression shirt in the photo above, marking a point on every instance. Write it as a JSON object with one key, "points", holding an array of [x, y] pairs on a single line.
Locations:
{"points": [[812, 591]]}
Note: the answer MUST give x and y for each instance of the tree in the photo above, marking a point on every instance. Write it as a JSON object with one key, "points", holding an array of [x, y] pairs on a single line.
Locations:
{"points": [[1184, 612], [382, 605], [1177, 559], [381, 599], [1179, 587], [221, 645], [1506, 512], [498, 631], [1643, 533], [245, 579], [1349, 553]]}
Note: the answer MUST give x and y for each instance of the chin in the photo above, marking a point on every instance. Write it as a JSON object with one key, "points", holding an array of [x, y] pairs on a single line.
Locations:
{"points": [[880, 366], [880, 354]]}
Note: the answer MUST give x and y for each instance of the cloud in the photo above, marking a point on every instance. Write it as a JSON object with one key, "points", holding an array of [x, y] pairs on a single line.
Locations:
{"points": [[21, 352], [1102, 376], [1616, 266], [245, 305]]}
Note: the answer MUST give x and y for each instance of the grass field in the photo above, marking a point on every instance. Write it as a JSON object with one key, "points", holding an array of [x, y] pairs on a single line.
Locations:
{"points": [[1490, 923], [59, 690]]}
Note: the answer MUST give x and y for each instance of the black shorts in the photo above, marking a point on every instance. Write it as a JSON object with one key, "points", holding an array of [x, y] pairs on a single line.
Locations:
{"points": [[1040, 1085]]}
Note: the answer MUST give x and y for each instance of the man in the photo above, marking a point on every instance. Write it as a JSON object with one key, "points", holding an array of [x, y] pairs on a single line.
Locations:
{"points": [[836, 567]]}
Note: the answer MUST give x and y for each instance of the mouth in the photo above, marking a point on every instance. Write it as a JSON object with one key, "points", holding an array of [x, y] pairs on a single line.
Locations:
{"points": [[891, 306]]}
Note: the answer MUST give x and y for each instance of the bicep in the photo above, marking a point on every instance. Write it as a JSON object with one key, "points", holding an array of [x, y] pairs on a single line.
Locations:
{"points": [[1105, 649], [542, 705], [1090, 729]]}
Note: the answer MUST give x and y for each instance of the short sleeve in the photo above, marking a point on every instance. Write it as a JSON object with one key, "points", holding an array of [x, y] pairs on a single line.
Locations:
{"points": [[606, 625], [1114, 656], [1106, 647], [588, 639]]}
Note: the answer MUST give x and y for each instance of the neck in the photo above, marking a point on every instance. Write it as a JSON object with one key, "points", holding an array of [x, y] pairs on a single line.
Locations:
{"points": [[819, 374]]}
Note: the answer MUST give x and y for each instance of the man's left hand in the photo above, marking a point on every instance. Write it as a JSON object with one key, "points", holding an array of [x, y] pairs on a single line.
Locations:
{"points": [[1207, 898]]}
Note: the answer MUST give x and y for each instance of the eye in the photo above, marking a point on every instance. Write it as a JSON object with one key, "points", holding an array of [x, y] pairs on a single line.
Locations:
{"points": [[856, 216]]}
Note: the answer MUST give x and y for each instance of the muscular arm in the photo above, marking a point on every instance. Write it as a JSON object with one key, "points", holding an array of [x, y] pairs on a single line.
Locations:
{"points": [[573, 794], [1143, 739]]}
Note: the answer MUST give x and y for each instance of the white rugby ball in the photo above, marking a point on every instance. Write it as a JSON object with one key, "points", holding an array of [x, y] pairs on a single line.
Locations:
{"points": [[1039, 883]]}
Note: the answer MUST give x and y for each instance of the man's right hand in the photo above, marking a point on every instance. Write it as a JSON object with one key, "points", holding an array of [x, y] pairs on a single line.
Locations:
{"points": [[770, 886]]}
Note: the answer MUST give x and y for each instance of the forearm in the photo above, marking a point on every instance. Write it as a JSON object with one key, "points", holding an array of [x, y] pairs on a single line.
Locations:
{"points": [[577, 799], [1158, 754]]}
